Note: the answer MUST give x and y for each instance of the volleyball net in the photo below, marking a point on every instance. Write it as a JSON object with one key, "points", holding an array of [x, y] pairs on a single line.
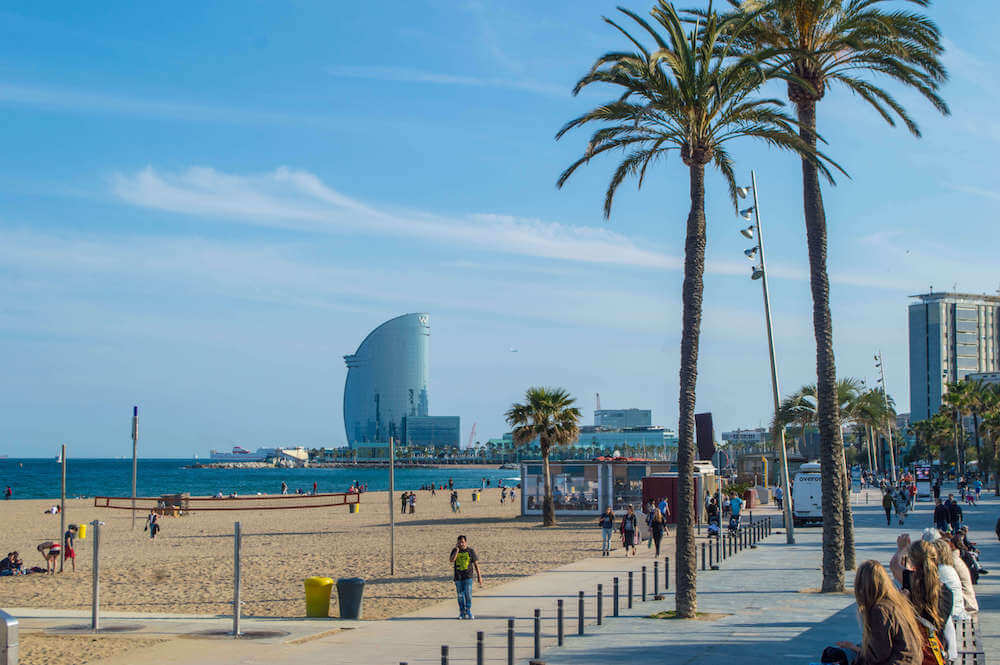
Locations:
{"points": [[180, 504]]}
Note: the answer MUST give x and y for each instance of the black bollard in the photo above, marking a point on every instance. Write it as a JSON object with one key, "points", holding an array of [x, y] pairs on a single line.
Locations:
{"points": [[703, 556], [510, 642], [600, 601], [579, 616], [630, 589], [666, 573], [538, 633], [644, 584], [444, 654], [656, 580], [480, 636], [722, 544], [614, 604], [559, 623]]}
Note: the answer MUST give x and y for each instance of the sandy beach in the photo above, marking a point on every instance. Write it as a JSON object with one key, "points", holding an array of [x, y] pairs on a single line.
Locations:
{"points": [[188, 568]]}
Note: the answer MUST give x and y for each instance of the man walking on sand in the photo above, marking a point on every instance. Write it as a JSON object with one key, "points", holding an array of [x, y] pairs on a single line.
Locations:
{"points": [[464, 560]]}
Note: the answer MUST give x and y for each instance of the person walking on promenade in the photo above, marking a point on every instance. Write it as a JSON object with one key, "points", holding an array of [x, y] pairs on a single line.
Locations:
{"points": [[890, 634], [940, 516], [902, 503], [936, 487], [7, 493], [887, 507], [284, 487], [629, 530], [607, 524], [779, 495], [978, 487], [413, 502], [464, 560], [656, 528], [954, 513], [402, 503]]}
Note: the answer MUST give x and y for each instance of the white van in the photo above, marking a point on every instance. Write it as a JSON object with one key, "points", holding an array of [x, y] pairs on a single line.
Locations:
{"points": [[807, 495]]}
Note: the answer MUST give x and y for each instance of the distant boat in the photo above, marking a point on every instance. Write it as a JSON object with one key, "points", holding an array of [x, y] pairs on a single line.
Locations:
{"points": [[59, 458]]}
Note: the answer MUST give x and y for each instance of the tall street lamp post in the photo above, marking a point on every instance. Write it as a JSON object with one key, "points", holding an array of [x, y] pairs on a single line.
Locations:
{"points": [[759, 271]]}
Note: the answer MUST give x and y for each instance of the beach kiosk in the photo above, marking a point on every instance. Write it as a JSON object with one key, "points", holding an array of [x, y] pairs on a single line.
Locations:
{"points": [[588, 487]]}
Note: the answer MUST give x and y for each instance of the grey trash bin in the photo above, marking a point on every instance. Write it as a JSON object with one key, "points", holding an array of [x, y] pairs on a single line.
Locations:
{"points": [[350, 592]]}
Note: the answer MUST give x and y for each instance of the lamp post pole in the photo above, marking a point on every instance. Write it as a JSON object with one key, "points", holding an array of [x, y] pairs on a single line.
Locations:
{"points": [[392, 506], [135, 441], [787, 498], [888, 423]]}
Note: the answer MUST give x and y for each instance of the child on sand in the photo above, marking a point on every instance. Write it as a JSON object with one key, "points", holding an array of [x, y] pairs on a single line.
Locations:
{"points": [[50, 551]]}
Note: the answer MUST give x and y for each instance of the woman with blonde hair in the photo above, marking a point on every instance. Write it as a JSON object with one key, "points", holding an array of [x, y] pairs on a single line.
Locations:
{"points": [[950, 578], [931, 600], [890, 634]]}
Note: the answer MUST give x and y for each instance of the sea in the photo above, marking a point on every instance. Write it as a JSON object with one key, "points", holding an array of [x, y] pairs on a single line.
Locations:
{"points": [[40, 478]]}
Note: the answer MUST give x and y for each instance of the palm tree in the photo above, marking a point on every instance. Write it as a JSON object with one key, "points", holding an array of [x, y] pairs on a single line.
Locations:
{"points": [[686, 94], [968, 398], [803, 407], [815, 44], [549, 416]]}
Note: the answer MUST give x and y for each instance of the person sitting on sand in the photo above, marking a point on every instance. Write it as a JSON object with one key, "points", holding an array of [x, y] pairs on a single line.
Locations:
{"points": [[50, 551]]}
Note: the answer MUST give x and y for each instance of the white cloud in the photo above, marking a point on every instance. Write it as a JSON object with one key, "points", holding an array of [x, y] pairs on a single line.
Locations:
{"points": [[298, 200], [291, 199]]}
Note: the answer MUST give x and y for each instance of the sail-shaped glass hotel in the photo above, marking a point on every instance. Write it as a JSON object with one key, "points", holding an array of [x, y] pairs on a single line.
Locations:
{"points": [[387, 380]]}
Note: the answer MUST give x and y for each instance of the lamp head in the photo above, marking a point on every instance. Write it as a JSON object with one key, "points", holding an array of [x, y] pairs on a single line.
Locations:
{"points": [[742, 192], [750, 253], [747, 232], [746, 213], [757, 273]]}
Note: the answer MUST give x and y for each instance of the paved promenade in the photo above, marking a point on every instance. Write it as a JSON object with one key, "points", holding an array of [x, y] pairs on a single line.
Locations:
{"points": [[770, 613]]}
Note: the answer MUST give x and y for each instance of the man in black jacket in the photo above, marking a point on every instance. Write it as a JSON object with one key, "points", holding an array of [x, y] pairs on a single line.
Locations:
{"points": [[941, 517], [954, 513]]}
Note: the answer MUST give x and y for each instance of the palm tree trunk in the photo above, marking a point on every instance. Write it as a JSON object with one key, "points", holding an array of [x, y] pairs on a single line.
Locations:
{"points": [[694, 269], [830, 438], [548, 506]]}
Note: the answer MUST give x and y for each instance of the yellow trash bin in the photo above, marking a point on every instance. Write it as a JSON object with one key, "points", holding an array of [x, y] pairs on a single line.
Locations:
{"points": [[355, 507], [82, 534], [318, 596]]}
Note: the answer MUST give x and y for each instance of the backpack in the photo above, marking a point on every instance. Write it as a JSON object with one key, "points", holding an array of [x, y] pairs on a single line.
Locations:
{"points": [[934, 652]]}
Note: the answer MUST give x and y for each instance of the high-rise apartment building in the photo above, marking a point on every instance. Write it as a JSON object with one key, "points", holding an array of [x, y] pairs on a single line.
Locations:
{"points": [[952, 335]]}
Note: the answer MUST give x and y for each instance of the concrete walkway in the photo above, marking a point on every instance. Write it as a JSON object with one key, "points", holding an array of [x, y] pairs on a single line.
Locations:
{"points": [[770, 612]]}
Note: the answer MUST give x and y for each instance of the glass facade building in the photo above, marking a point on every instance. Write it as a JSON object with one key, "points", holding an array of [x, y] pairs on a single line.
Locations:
{"points": [[436, 431], [387, 380], [621, 418], [952, 335]]}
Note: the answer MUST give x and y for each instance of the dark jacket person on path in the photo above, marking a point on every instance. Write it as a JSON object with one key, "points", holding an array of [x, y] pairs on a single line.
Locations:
{"points": [[887, 507]]}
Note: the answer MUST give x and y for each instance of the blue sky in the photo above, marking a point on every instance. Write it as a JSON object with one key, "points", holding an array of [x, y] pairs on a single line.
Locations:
{"points": [[203, 207]]}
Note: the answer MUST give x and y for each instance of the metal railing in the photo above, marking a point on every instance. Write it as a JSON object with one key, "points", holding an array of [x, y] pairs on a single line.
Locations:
{"points": [[8, 639]]}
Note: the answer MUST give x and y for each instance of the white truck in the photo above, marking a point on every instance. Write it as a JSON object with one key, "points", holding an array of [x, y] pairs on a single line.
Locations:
{"points": [[807, 495]]}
